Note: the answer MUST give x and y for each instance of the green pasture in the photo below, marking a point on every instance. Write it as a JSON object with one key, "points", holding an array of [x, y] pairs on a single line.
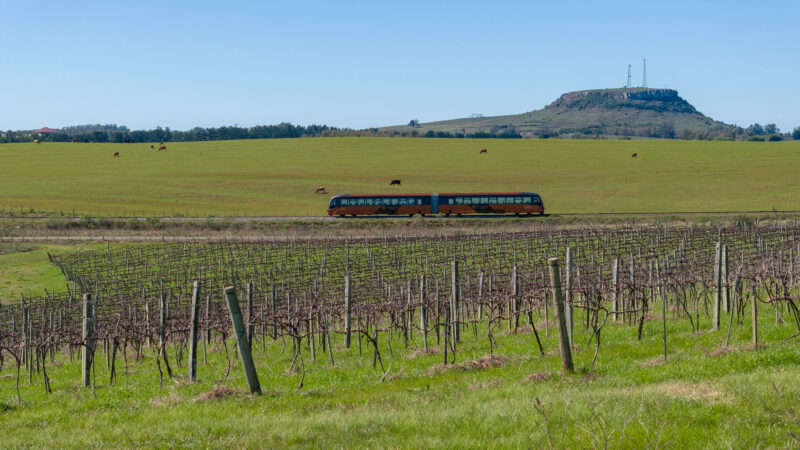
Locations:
{"points": [[278, 177], [25, 269], [703, 396]]}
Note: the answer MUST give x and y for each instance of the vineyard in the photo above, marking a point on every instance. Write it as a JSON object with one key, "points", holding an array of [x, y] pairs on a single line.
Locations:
{"points": [[317, 297]]}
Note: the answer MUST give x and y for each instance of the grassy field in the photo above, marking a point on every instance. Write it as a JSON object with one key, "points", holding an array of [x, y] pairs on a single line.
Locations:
{"points": [[278, 177], [24, 269], [703, 396]]}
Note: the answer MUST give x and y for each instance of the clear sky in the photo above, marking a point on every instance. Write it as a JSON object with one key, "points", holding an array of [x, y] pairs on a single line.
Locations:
{"points": [[366, 64]]}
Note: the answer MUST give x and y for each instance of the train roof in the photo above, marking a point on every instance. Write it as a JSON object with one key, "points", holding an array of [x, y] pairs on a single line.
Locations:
{"points": [[429, 194]]}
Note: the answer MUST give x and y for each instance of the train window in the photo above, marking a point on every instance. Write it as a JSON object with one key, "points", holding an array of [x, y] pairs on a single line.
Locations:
{"points": [[368, 201], [535, 200], [517, 200], [419, 201], [411, 201], [483, 200], [467, 200], [402, 201], [449, 201], [459, 200], [492, 200], [526, 199], [394, 201]]}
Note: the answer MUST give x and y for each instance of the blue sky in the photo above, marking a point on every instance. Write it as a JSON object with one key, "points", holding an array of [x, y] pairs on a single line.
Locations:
{"points": [[363, 64]]}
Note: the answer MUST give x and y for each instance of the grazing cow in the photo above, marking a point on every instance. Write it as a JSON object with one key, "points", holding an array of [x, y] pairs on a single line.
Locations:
{"points": [[75, 140], [152, 147], [162, 147], [483, 150], [320, 190], [395, 182], [116, 154], [36, 141], [635, 155]]}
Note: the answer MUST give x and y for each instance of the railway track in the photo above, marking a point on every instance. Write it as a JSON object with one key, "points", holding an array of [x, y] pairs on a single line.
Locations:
{"points": [[452, 217]]}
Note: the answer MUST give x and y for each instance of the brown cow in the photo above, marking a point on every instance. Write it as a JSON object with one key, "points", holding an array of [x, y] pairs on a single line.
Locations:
{"points": [[394, 182], [75, 140], [36, 141], [635, 155], [152, 147], [162, 147], [320, 190], [483, 150], [116, 154]]}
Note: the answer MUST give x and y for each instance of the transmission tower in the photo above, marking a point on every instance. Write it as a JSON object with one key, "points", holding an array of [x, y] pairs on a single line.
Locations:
{"points": [[644, 73], [628, 84]]}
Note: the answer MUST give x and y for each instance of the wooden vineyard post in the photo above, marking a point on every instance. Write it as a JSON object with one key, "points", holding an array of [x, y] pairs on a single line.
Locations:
{"points": [[563, 341], [162, 330], [194, 321], [423, 312], [241, 340], [88, 340], [250, 289], [348, 305], [755, 322], [274, 312], [456, 334], [615, 284], [726, 301], [568, 303], [664, 317], [717, 284]]}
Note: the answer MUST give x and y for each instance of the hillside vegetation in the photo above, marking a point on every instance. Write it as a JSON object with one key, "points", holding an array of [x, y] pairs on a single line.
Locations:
{"points": [[623, 112], [277, 177]]}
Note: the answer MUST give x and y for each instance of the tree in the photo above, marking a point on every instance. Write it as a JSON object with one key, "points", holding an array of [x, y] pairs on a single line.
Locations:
{"points": [[796, 134], [755, 129], [771, 128], [413, 123]]}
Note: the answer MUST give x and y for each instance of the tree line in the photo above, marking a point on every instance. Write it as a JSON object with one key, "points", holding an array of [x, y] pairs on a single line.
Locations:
{"points": [[121, 134]]}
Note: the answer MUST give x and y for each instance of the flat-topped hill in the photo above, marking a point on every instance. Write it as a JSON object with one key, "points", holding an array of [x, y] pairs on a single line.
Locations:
{"points": [[622, 112]]}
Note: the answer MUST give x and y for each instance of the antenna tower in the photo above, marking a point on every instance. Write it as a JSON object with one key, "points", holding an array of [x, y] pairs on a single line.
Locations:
{"points": [[628, 84], [644, 73]]}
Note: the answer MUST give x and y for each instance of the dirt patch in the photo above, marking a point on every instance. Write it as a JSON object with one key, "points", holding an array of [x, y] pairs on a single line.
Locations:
{"points": [[482, 363], [486, 385], [538, 377], [167, 400], [652, 362], [421, 352], [691, 391], [219, 393]]}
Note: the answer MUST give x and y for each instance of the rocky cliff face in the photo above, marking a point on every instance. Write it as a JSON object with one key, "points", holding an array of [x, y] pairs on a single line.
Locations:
{"points": [[664, 100]]}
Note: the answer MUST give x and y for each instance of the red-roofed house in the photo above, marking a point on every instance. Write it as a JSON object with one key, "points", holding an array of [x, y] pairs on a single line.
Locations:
{"points": [[46, 130]]}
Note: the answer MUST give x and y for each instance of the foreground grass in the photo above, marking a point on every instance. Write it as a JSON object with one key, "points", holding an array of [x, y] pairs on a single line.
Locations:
{"points": [[702, 396], [278, 177]]}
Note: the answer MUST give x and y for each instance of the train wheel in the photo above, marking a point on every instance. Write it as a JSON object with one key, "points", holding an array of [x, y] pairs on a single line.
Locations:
{"points": [[459, 214], [528, 214]]}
